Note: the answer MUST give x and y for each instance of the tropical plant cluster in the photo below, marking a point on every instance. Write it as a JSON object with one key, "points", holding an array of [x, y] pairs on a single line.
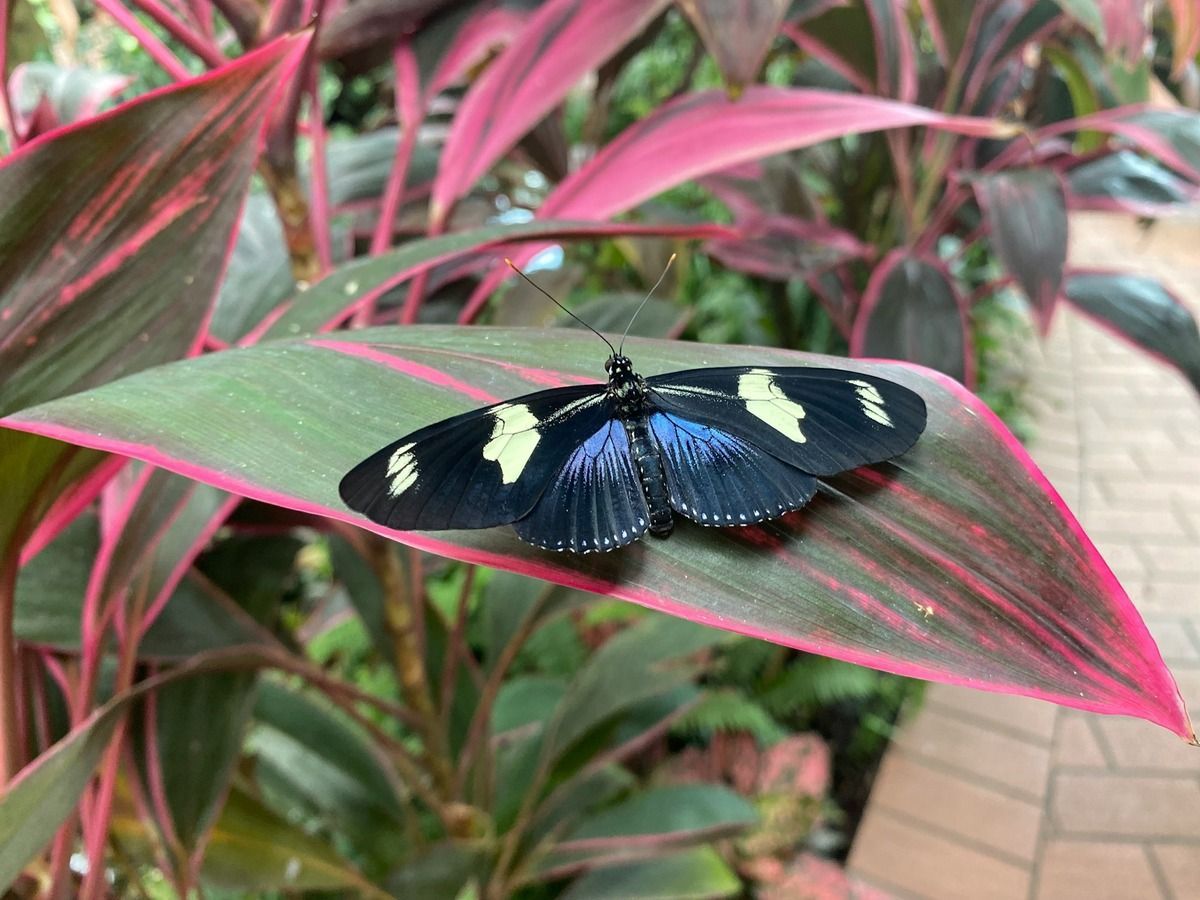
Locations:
{"points": [[242, 245]]}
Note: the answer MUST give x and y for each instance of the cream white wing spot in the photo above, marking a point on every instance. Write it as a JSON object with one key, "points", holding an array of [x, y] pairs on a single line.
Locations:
{"points": [[872, 402], [402, 470], [514, 437], [765, 400]]}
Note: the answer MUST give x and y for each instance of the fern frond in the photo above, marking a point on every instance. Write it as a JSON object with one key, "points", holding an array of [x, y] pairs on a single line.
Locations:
{"points": [[728, 711], [812, 682]]}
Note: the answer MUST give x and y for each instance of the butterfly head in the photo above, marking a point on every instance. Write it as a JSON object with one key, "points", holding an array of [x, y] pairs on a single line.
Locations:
{"points": [[623, 382]]}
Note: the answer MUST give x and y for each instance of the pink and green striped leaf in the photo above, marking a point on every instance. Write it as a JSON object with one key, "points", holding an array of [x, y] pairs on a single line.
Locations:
{"points": [[561, 42], [957, 562], [699, 134], [1170, 135], [1026, 216], [113, 235], [912, 310]]}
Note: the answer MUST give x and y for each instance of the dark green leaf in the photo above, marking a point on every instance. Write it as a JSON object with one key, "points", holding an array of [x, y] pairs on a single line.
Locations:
{"points": [[1142, 311], [691, 875]]}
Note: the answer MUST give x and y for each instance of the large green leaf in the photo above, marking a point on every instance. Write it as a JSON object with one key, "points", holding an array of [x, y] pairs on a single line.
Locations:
{"points": [[648, 822], [957, 562], [315, 758], [691, 875], [253, 850], [196, 733]]}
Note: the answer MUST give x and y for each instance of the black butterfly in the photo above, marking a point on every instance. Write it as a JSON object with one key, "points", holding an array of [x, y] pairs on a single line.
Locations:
{"points": [[594, 467]]}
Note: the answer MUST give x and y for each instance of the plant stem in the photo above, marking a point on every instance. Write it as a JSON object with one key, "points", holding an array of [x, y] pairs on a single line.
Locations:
{"points": [[400, 621], [10, 751], [456, 649], [194, 41], [154, 48], [477, 733]]}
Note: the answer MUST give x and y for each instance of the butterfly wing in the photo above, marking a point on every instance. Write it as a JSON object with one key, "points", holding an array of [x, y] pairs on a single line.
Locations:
{"points": [[594, 501], [716, 478], [483, 468], [820, 421]]}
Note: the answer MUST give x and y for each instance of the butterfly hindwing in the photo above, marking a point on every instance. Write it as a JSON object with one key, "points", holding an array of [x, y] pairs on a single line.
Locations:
{"points": [[821, 421], [482, 468], [716, 478], [594, 500]]}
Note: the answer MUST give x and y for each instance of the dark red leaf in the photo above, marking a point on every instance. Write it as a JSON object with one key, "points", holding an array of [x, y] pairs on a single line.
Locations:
{"points": [[912, 310], [737, 34], [1026, 215], [784, 247]]}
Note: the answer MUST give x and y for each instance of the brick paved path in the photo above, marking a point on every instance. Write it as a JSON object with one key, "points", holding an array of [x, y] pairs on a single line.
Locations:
{"points": [[988, 796]]}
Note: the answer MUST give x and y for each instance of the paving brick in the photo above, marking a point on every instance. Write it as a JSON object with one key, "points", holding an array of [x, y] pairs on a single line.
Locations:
{"points": [[1137, 744], [1143, 489], [902, 856], [1142, 523], [1180, 866], [1174, 640], [1020, 765], [1173, 561], [953, 803], [1171, 598], [1076, 744], [1121, 805], [1072, 870], [1034, 718]]}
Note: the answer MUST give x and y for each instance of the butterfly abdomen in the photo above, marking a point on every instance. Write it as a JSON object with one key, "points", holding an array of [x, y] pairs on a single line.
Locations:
{"points": [[648, 460]]}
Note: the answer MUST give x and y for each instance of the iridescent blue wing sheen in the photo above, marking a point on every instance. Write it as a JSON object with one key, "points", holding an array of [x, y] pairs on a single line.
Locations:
{"points": [[820, 421], [594, 501], [482, 468], [716, 478]]}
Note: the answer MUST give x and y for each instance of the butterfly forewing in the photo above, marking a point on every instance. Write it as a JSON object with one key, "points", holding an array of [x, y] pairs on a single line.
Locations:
{"points": [[820, 421], [482, 468]]}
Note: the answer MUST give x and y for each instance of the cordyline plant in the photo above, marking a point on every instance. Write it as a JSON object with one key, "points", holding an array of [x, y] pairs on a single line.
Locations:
{"points": [[240, 344]]}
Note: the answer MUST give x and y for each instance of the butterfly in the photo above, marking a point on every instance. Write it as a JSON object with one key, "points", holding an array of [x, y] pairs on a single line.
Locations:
{"points": [[595, 467]]}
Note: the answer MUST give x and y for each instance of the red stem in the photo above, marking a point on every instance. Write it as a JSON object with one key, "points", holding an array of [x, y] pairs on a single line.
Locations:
{"points": [[10, 755], [154, 48], [409, 113], [10, 123], [318, 202], [194, 41]]}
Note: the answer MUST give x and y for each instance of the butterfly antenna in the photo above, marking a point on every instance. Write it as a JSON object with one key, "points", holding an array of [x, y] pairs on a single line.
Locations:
{"points": [[513, 266], [645, 300]]}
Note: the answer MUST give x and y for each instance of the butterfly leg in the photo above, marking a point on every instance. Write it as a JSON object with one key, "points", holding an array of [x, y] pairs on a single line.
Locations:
{"points": [[648, 459]]}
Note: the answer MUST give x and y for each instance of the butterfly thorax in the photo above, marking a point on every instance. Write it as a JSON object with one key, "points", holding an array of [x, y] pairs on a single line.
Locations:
{"points": [[629, 390], [625, 385]]}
